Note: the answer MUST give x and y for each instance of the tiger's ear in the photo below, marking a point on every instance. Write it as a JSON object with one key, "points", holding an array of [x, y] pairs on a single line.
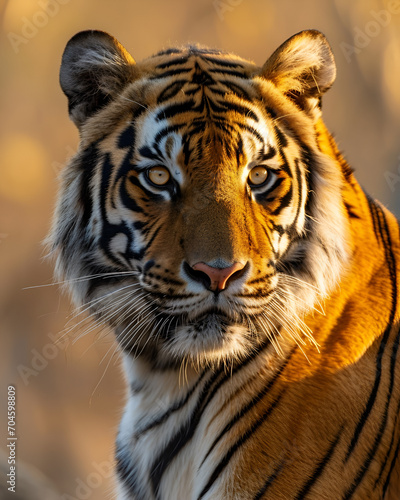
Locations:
{"points": [[303, 68], [94, 69]]}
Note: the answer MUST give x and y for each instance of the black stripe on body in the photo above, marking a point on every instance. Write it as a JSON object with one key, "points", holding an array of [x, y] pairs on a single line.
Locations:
{"points": [[371, 400], [351, 211], [257, 398], [319, 469], [240, 442], [375, 219], [172, 409], [383, 230], [127, 473], [394, 461], [389, 452], [395, 426], [269, 481], [186, 431]]}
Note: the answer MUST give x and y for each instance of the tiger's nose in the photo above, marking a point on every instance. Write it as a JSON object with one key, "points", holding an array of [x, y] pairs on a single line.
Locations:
{"points": [[217, 276]]}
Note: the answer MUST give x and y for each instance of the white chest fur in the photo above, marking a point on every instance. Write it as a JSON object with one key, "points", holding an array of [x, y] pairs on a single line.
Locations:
{"points": [[165, 444]]}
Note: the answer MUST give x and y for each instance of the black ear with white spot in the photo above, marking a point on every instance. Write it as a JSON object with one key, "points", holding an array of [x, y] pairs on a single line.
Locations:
{"points": [[303, 67], [94, 69]]}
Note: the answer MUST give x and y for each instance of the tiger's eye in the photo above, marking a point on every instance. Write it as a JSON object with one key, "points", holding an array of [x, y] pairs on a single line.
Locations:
{"points": [[159, 175], [258, 175]]}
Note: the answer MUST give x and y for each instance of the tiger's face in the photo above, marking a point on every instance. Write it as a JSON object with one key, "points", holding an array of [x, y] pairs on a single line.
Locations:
{"points": [[196, 219]]}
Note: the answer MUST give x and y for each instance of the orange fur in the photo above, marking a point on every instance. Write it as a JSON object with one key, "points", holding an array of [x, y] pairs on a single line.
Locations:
{"points": [[313, 404]]}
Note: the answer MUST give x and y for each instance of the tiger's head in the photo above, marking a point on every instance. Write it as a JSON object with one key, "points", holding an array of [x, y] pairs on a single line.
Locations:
{"points": [[200, 218]]}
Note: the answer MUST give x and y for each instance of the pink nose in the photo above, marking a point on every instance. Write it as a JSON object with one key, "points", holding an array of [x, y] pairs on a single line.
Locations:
{"points": [[218, 276]]}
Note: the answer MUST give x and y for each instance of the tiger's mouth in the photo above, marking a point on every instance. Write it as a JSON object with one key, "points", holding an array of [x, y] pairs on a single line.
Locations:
{"points": [[207, 321], [215, 314], [205, 335]]}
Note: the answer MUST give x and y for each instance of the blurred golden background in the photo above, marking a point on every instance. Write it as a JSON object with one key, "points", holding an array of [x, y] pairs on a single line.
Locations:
{"points": [[70, 394]]}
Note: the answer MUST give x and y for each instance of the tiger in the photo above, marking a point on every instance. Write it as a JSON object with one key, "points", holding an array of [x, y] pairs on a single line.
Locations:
{"points": [[211, 222]]}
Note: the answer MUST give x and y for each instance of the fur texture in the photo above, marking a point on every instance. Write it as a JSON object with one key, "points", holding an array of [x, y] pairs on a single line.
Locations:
{"points": [[283, 381]]}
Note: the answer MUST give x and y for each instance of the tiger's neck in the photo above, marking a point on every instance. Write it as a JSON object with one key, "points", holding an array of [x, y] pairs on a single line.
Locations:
{"points": [[374, 264], [171, 428]]}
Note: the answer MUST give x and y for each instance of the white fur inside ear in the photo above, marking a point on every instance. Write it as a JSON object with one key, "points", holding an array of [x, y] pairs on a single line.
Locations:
{"points": [[303, 64]]}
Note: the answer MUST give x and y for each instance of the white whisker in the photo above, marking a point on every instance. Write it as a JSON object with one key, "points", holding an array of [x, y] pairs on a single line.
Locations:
{"points": [[79, 279]]}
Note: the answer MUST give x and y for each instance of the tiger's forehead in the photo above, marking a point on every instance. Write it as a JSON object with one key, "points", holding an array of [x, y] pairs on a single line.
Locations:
{"points": [[180, 61], [190, 93], [205, 99], [194, 74], [200, 104]]}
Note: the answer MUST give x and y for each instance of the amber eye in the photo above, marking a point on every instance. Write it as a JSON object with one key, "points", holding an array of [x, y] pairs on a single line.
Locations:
{"points": [[258, 175], [158, 175]]}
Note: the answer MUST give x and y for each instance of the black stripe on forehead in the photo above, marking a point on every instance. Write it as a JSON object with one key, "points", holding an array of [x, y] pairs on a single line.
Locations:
{"points": [[199, 69], [171, 72], [265, 156], [177, 61], [171, 90], [223, 62], [280, 137], [235, 88], [206, 139], [176, 109]]}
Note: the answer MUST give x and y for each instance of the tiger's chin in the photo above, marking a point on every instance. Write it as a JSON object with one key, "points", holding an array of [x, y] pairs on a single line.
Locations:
{"points": [[206, 340], [210, 342]]}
